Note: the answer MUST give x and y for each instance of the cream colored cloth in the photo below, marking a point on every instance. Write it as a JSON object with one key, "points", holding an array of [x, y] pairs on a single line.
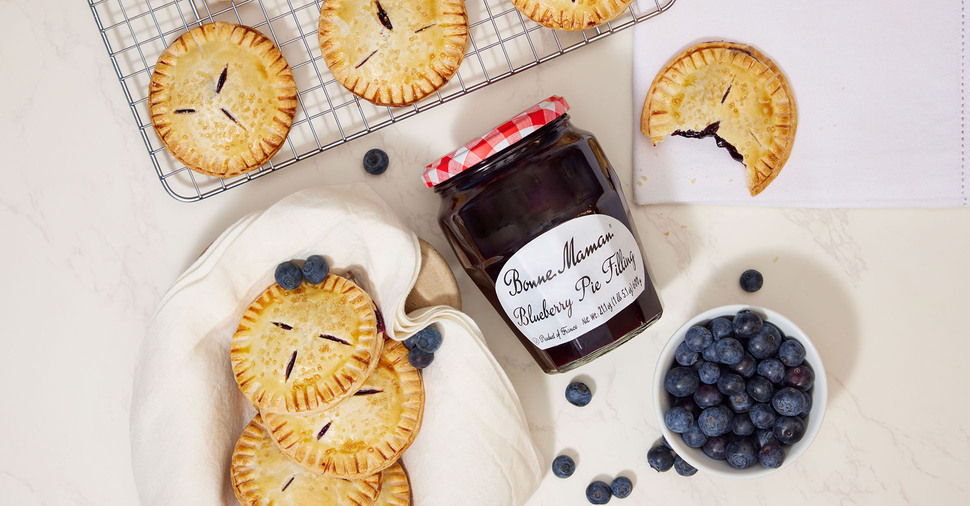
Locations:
{"points": [[474, 446]]}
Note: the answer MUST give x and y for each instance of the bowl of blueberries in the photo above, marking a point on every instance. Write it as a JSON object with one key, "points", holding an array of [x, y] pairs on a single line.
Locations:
{"points": [[739, 391]]}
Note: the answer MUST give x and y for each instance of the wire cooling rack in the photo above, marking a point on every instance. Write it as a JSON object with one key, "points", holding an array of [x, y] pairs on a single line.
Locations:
{"points": [[501, 43]]}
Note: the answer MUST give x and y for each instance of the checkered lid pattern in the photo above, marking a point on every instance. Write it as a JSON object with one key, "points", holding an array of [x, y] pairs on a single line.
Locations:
{"points": [[493, 142]]}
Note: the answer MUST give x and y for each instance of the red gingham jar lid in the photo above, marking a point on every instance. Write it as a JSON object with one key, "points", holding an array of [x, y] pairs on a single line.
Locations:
{"points": [[502, 137]]}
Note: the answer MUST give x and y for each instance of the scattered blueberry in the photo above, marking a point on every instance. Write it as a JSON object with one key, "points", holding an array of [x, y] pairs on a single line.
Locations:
{"points": [[375, 161], [683, 468], [315, 269], [563, 466], [772, 369], [598, 492], [771, 455], [681, 381], [578, 394], [684, 355], [721, 327], [764, 344], [623, 486], [420, 359], [698, 338], [716, 447], [789, 429], [708, 395], [740, 403], [760, 389], [747, 323], [428, 339], [660, 458], [746, 367], [789, 401], [678, 419], [729, 351], [730, 384], [741, 425], [709, 372], [288, 275], [763, 416], [693, 437], [751, 281], [741, 453], [715, 421], [801, 377], [791, 353]]}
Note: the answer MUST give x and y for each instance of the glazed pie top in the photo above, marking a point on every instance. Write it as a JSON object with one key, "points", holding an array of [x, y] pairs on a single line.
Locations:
{"points": [[395, 487], [732, 92], [363, 434], [393, 52], [262, 474], [571, 14], [222, 99], [306, 349]]}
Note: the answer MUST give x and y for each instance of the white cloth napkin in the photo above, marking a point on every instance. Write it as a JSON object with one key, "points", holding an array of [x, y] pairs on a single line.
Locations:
{"points": [[879, 92], [474, 446]]}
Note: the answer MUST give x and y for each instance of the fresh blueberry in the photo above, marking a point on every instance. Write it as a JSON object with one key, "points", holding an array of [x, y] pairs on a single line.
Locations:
{"points": [[746, 367], [684, 355], [715, 421], [716, 447], [688, 404], [698, 338], [729, 351], [760, 389], [709, 372], [683, 468], [764, 344], [765, 436], [730, 384], [789, 429], [578, 394], [706, 396], [721, 327], [741, 425], [599, 492], [663, 441], [808, 407], [774, 330], [693, 437], [742, 453], [678, 419], [791, 353], [375, 161], [315, 269], [771, 455], [772, 369], [789, 401], [747, 323], [801, 377], [763, 416], [288, 275], [563, 466], [751, 281], [660, 458], [710, 354], [681, 381], [740, 403], [420, 359], [410, 342], [623, 486], [428, 339]]}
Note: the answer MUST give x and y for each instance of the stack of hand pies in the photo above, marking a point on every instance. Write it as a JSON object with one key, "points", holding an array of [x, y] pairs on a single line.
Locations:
{"points": [[338, 402]]}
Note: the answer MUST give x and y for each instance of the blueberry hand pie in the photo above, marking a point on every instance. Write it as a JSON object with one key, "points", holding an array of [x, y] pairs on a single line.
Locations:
{"points": [[730, 92], [571, 15]]}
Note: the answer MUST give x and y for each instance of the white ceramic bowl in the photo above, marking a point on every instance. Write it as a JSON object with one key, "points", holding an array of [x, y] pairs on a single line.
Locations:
{"points": [[696, 456]]}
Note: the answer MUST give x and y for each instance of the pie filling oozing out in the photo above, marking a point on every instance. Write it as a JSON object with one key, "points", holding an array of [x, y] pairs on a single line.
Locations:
{"points": [[730, 92]]}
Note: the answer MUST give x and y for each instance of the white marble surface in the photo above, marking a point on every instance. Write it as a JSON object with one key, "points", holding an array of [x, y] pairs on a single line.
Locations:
{"points": [[92, 242]]}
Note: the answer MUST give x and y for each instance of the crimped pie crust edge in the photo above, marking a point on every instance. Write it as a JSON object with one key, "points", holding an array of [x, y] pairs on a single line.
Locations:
{"points": [[574, 18]]}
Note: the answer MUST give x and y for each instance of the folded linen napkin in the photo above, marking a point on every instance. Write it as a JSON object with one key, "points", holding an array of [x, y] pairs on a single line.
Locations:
{"points": [[474, 445], [879, 92]]}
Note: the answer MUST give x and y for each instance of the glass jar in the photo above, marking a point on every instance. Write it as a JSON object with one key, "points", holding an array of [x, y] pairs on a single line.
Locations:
{"points": [[537, 218]]}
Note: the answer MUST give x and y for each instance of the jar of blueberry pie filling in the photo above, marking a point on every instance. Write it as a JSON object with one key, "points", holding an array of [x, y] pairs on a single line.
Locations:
{"points": [[537, 218]]}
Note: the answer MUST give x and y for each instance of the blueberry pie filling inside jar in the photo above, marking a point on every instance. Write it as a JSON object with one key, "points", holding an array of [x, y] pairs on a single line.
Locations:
{"points": [[537, 218]]}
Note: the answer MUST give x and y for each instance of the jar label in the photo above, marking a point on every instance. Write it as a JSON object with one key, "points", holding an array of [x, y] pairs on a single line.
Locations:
{"points": [[571, 279]]}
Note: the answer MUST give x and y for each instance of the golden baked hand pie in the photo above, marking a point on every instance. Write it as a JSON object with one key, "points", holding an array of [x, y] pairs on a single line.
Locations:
{"points": [[731, 92], [363, 434], [308, 348], [393, 52], [395, 487], [222, 99], [261, 474], [571, 15]]}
